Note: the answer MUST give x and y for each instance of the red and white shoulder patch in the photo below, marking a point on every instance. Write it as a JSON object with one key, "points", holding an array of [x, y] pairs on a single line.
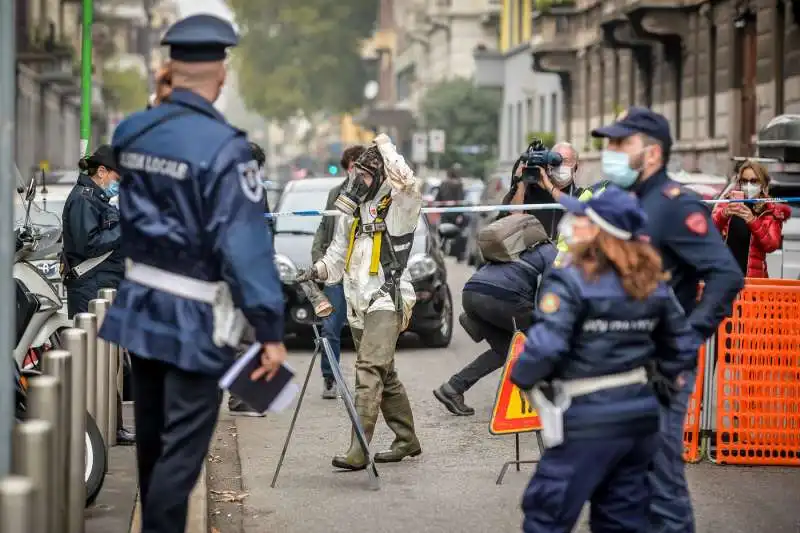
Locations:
{"points": [[697, 223]]}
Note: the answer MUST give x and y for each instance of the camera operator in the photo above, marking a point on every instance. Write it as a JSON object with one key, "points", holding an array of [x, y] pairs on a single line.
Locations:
{"points": [[541, 176]]}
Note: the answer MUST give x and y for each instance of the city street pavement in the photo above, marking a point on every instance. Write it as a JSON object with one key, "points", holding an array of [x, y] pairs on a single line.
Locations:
{"points": [[451, 486]]}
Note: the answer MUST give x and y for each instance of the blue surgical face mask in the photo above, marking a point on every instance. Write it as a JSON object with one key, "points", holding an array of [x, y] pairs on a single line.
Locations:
{"points": [[112, 189], [617, 169]]}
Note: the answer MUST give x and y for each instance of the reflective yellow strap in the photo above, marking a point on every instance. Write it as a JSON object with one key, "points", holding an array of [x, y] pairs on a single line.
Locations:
{"points": [[377, 239], [353, 227]]}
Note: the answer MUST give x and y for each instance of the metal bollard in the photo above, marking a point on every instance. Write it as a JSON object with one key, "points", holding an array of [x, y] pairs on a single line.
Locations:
{"points": [[99, 307], [113, 369], [58, 363], [31, 458], [75, 343], [88, 323], [43, 396], [17, 504]]}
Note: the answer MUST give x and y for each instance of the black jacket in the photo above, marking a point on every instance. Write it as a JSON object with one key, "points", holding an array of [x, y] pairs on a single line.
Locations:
{"points": [[536, 195], [91, 227]]}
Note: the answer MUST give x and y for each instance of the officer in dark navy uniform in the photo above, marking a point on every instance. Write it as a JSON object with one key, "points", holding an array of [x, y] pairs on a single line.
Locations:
{"points": [[602, 320], [91, 257], [199, 267], [680, 226]]}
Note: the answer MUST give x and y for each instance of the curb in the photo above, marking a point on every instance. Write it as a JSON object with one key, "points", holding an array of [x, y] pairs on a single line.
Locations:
{"points": [[197, 519]]}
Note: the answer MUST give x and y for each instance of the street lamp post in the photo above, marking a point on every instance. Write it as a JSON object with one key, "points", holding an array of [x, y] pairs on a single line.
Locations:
{"points": [[8, 100]]}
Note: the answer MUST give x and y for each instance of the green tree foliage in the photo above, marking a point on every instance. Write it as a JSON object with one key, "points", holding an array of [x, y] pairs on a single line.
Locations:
{"points": [[302, 56], [470, 118], [125, 88]]}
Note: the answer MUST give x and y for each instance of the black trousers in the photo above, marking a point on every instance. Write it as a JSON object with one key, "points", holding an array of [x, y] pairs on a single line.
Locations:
{"points": [[496, 319], [176, 412]]}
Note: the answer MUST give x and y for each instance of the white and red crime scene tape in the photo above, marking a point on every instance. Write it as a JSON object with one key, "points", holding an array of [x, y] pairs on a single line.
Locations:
{"points": [[470, 208]]}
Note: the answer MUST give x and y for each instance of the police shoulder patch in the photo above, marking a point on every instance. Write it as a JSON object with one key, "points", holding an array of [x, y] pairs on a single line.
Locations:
{"points": [[697, 223], [673, 191], [550, 303], [250, 180]]}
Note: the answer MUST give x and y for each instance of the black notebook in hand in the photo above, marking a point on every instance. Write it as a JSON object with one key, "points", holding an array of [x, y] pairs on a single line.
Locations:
{"points": [[273, 395]]}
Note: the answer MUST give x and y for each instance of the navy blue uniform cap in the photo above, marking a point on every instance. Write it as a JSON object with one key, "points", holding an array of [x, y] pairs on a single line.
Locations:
{"points": [[104, 156], [638, 120], [615, 211], [199, 39]]}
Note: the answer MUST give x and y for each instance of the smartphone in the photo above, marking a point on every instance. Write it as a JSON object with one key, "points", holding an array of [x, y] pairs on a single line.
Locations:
{"points": [[737, 195]]}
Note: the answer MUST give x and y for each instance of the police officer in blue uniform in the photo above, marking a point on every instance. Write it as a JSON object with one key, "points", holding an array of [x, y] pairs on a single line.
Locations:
{"points": [[91, 259], [680, 226], [91, 256], [603, 319], [199, 267]]}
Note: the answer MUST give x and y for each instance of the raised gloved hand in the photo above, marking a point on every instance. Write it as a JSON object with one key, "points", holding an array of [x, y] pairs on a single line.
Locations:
{"points": [[399, 174]]}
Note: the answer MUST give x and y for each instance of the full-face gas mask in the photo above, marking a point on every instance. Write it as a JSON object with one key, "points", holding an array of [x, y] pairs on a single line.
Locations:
{"points": [[362, 182]]}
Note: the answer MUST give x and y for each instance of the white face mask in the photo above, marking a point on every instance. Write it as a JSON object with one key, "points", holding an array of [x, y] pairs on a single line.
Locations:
{"points": [[751, 190], [562, 176]]}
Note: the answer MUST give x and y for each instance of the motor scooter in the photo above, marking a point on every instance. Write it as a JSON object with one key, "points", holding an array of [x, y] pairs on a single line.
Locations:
{"points": [[40, 318], [40, 311]]}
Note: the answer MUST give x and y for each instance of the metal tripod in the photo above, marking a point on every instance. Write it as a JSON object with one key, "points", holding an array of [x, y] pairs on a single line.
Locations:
{"points": [[321, 346]]}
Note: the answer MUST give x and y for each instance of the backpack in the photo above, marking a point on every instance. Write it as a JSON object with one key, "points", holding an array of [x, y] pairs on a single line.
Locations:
{"points": [[505, 239]]}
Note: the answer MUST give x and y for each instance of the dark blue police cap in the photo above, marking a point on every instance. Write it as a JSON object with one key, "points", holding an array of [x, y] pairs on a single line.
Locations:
{"points": [[638, 120], [200, 38], [615, 211]]}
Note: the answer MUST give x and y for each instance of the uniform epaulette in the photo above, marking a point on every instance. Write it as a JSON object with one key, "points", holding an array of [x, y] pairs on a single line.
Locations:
{"points": [[87, 191], [672, 191]]}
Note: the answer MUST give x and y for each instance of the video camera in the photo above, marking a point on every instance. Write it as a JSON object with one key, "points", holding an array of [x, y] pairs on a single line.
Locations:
{"points": [[538, 157]]}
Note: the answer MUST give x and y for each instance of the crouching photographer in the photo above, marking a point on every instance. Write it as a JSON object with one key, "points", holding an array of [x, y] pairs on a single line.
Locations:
{"points": [[541, 176], [499, 298]]}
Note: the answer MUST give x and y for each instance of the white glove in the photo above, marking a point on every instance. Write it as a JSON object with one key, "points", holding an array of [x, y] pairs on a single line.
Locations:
{"points": [[399, 174]]}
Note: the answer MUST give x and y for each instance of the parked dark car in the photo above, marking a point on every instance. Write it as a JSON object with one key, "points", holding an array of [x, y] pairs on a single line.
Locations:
{"points": [[432, 318]]}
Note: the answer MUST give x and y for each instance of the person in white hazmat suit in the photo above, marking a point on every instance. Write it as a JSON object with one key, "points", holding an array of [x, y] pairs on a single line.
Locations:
{"points": [[369, 252]]}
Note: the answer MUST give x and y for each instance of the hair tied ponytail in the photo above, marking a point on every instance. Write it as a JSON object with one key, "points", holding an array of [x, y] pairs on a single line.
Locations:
{"points": [[83, 164]]}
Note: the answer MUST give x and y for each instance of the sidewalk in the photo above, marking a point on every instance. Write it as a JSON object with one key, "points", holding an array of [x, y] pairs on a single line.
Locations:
{"points": [[113, 508], [117, 508]]}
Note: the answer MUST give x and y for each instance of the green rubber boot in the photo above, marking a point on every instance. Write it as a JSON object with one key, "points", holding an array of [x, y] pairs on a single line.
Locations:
{"points": [[397, 413], [355, 459]]}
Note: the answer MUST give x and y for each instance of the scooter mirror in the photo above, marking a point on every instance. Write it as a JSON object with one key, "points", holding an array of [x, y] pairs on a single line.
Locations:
{"points": [[30, 193]]}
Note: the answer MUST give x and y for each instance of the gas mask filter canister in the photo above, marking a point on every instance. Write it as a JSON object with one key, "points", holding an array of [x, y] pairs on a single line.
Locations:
{"points": [[352, 194]]}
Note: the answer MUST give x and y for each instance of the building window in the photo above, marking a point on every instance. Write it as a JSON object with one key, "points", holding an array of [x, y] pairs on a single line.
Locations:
{"points": [[587, 94], [562, 24], [510, 131], [542, 115], [554, 115], [601, 77], [521, 20], [615, 97], [780, 37], [529, 124], [712, 80]]}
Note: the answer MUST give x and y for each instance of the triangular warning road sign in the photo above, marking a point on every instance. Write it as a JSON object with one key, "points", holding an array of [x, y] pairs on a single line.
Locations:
{"points": [[512, 412]]}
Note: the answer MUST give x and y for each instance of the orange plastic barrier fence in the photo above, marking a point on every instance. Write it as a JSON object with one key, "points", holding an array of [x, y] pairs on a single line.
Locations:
{"points": [[758, 376], [691, 427]]}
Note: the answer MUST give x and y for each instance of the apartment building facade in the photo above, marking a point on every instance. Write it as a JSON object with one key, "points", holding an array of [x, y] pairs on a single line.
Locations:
{"points": [[718, 70], [48, 42], [532, 99], [435, 43]]}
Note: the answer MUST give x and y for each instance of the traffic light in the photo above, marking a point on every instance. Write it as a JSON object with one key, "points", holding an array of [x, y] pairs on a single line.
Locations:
{"points": [[333, 167]]}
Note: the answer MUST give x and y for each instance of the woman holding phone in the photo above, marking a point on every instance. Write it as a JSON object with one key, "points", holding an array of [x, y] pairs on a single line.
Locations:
{"points": [[751, 229]]}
